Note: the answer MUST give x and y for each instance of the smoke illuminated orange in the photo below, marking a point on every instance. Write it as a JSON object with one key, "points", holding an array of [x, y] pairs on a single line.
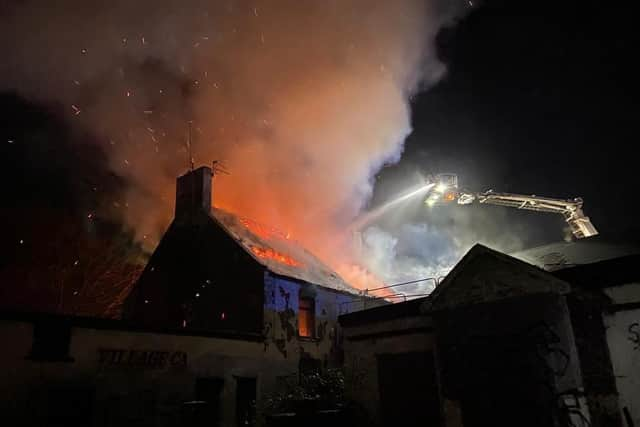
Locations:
{"points": [[302, 138], [275, 255]]}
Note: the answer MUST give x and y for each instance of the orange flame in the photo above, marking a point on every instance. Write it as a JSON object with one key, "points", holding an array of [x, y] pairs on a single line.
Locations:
{"points": [[269, 253], [450, 196], [262, 230]]}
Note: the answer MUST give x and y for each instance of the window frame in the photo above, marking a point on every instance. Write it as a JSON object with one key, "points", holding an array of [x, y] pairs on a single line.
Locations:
{"points": [[310, 313]]}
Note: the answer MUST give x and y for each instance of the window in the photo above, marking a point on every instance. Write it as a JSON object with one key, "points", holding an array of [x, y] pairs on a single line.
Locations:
{"points": [[51, 341], [306, 317]]}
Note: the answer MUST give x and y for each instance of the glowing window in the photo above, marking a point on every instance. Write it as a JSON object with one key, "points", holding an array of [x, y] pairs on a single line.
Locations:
{"points": [[306, 317]]}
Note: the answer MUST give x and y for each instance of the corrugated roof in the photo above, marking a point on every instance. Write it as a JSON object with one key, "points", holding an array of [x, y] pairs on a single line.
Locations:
{"points": [[557, 256], [278, 252], [603, 274]]}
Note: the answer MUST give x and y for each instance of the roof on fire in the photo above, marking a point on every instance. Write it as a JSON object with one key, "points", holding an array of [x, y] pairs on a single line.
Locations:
{"points": [[279, 253]]}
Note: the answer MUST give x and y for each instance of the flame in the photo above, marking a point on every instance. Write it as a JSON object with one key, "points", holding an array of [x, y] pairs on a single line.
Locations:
{"points": [[268, 253], [450, 196], [263, 231], [360, 278]]}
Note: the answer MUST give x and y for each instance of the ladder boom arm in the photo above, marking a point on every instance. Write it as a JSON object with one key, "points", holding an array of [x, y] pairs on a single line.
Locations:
{"points": [[571, 209], [445, 189]]}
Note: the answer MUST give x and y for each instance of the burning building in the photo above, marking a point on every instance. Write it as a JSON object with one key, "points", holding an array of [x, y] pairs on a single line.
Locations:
{"points": [[225, 311], [213, 270]]}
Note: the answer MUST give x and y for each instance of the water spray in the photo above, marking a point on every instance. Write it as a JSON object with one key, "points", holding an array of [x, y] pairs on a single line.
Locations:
{"points": [[380, 210]]}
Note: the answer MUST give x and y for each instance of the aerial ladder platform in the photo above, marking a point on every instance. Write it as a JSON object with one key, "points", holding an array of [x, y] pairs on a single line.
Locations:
{"points": [[446, 189]]}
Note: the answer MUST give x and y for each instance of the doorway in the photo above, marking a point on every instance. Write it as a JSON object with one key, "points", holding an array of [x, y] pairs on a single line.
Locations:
{"points": [[208, 391], [408, 389]]}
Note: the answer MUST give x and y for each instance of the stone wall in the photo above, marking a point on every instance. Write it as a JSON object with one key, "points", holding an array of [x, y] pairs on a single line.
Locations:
{"points": [[365, 345], [623, 338], [511, 362], [126, 377], [147, 376], [281, 319]]}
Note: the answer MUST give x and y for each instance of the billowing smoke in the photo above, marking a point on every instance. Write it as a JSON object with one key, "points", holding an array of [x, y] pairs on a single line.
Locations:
{"points": [[303, 101], [401, 249], [415, 251]]}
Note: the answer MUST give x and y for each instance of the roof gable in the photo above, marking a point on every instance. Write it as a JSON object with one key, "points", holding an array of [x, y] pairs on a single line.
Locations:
{"points": [[485, 275]]}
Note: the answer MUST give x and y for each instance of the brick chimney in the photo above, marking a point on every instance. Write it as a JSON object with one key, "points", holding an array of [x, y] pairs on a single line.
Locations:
{"points": [[193, 192]]}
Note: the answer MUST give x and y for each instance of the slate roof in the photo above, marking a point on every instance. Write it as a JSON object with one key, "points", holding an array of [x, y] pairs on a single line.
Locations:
{"points": [[279, 253]]}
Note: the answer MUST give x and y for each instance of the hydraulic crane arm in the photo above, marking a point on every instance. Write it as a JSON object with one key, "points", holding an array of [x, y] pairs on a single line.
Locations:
{"points": [[571, 209]]}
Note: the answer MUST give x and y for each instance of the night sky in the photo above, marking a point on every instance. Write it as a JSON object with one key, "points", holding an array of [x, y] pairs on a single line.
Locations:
{"points": [[539, 98]]}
